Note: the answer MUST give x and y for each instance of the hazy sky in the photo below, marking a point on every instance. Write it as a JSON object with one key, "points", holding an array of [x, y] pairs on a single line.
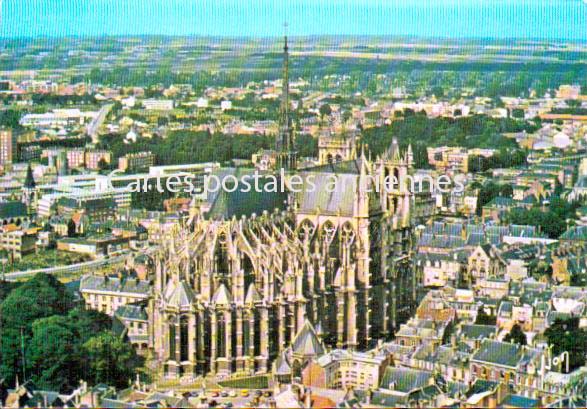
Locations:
{"points": [[546, 19]]}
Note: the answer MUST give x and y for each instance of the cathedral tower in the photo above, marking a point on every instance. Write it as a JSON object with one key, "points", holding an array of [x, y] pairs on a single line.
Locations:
{"points": [[284, 143]]}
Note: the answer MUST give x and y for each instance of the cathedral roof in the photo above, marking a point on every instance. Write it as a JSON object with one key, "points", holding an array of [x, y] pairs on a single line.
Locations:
{"points": [[351, 167], [222, 296], [282, 365], [392, 153], [29, 182], [180, 295], [252, 294], [306, 342], [326, 198], [225, 204]]}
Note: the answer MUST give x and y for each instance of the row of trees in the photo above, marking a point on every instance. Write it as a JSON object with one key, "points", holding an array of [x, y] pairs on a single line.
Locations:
{"points": [[478, 131], [552, 219], [46, 338], [489, 191], [502, 159], [191, 146]]}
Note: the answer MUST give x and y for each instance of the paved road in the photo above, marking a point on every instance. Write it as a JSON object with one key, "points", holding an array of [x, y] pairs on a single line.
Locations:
{"points": [[94, 126], [72, 268]]}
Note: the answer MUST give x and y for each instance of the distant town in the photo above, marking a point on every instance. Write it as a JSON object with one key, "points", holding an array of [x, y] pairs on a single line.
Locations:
{"points": [[467, 292]]}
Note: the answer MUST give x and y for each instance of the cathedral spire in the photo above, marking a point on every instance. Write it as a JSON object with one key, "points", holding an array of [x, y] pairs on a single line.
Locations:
{"points": [[29, 181], [284, 143]]}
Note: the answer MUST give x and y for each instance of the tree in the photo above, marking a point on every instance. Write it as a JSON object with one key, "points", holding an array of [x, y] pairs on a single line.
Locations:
{"points": [[87, 323], [40, 297], [516, 335], [5, 288], [490, 191], [103, 165], [346, 115], [483, 318], [306, 146], [566, 336], [110, 360], [10, 354], [52, 359], [325, 110]]}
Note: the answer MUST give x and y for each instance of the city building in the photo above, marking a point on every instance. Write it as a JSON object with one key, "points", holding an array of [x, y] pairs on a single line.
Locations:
{"points": [[17, 242], [7, 146], [136, 162], [106, 294], [158, 104]]}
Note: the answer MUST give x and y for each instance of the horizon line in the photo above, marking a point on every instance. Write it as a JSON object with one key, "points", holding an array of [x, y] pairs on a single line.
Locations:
{"points": [[276, 36]]}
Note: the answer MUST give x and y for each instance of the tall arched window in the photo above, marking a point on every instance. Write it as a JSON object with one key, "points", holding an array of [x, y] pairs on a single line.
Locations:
{"points": [[184, 338]]}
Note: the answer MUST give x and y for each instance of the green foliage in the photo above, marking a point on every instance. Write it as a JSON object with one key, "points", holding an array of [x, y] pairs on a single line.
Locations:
{"points": [[59, 342], [40, 297], [518, 113], [10, 353], [52, 361], [477, 131], [516, 335], [325, 110], [502, 159], [551, 220], [490, 191], [306, 146], [110, 360], [6, 287], [565, 335], [191, 147], [87, 323], [10, 118], [540, 269], [483, 318], [47, 258]]}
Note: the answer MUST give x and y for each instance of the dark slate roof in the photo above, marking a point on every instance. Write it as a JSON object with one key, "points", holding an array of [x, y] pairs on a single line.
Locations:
{"points": [[499, 353], [12, 209], [425, 394], [225, 204], [386, 399], [500, 202], [114, 284], [404, 379], [131, 312], [351, 167], [477, 331], [179, 295], [575, 233], [306, 342], [480, 386], [73, 203], [518, 401], [282, 365], [322, 196]]}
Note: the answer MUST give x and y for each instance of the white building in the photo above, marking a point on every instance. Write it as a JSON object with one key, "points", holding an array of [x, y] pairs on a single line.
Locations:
{"points": [[158, 104]]}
